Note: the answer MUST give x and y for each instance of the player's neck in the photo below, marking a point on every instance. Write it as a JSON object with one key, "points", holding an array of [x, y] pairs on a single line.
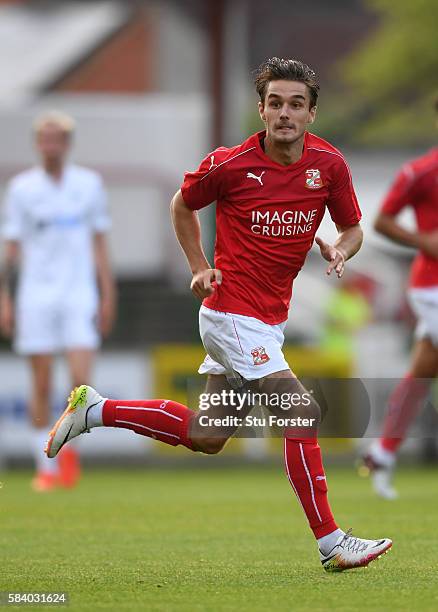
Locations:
{"points": [[54, 168], [284, 154]]}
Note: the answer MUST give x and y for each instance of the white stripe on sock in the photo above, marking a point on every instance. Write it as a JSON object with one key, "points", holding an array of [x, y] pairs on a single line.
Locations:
{"points": [[164, 433], [173, 416], [310, 482], [289, 476]]}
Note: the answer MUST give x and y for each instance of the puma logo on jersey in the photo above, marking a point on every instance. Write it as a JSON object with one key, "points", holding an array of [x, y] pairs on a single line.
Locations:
{"points": [[257, 178], [212, 164], [320, 478]]}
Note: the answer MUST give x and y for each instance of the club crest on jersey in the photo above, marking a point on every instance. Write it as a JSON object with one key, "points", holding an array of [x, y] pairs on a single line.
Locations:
{"points": [[313, 179], [259, 355]]}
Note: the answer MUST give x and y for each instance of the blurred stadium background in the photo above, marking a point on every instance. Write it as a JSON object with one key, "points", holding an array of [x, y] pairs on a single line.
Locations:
{"points": [[153, 86]]}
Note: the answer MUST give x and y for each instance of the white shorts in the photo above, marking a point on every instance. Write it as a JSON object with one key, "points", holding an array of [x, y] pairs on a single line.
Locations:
{"points": [[239, 346], [424, 303], [52, 328]]}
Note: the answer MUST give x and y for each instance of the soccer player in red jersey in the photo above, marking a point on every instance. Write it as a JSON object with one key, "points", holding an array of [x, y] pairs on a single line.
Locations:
{"points": [[417, 186], [271, 192]]}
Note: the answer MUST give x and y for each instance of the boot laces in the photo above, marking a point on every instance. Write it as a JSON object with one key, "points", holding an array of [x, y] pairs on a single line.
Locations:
{"points": [[352, 544]]}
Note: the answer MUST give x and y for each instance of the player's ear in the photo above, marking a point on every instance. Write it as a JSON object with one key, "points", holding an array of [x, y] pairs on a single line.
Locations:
{"points": [[262, 111], [312, 114]]}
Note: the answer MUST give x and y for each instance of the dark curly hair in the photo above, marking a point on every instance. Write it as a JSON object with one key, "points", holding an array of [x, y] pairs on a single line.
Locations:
{"points": [[278, 69]]}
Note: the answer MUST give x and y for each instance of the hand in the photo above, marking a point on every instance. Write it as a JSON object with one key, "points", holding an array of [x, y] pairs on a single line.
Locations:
{"points": [[7, 319], [107, 315], [201, 284], [333, 255], [428, 243]]}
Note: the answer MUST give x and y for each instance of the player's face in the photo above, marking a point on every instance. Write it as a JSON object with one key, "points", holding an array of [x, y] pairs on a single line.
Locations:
{"points": [[52, 143], [286, 111]]}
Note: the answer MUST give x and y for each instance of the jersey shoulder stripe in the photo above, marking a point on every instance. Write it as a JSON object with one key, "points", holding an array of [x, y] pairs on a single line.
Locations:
{"points": [[214, 166], [319, 144]]}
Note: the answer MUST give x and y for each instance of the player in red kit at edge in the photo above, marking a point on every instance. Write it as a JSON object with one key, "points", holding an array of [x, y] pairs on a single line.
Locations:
{"points": [[271, 193], [417, 186]]}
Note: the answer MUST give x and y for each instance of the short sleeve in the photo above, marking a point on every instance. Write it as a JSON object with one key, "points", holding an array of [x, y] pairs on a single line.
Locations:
{"points": [[342, 202], [202, 187], [401, 192], [101, 221], [12, 214]]}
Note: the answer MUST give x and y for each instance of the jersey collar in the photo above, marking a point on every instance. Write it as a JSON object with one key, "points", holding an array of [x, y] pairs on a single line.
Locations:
{"points": [[50, 181]]}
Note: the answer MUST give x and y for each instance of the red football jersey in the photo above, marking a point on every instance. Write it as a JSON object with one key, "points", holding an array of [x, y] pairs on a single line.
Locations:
{"points": [[417, 185], [266, 218]]}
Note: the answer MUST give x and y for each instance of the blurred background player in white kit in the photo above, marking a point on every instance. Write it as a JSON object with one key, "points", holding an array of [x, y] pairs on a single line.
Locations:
{"points": [[416, 185], [55, 221]]}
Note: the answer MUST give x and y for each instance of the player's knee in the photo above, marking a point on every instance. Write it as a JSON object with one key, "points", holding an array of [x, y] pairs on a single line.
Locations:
{"points": [[314, 412], [309, 410], [210, 446]]}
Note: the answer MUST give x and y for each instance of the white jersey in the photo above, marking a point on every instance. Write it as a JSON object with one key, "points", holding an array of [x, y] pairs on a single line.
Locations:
{"points": [[54, 222]]}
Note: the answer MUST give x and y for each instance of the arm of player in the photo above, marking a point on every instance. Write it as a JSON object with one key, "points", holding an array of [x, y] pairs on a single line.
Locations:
{"points": [[188, 231], [388, 226], [8, 284], [107, 288], [347, 244]]}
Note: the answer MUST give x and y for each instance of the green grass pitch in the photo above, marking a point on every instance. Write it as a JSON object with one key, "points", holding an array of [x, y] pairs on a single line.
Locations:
{"points": [[212, 540]]}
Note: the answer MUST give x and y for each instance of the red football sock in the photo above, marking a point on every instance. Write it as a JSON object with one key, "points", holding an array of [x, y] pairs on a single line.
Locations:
{"points": [[305, 471], [403, 406], [163, 420]]}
